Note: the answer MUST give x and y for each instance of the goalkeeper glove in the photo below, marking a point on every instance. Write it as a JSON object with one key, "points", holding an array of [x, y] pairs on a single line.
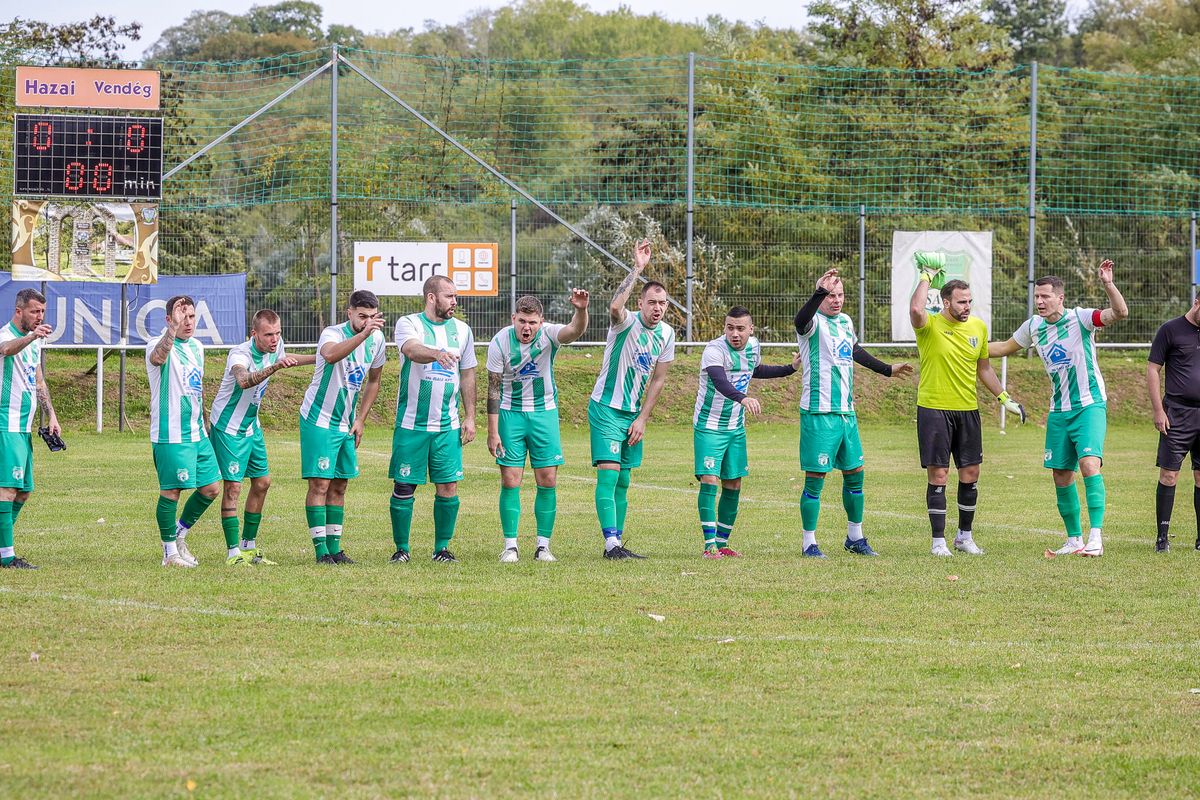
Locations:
{"points": [[1011, 405], [931, 267]]}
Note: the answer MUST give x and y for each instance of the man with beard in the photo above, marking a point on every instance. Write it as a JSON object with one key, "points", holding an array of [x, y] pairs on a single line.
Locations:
{"points": [[437, 363]]}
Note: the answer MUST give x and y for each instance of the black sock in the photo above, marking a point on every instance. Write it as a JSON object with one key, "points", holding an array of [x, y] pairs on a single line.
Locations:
{"points": [[968, 494], [935, 501], [1196, 505], [1164, 502]]}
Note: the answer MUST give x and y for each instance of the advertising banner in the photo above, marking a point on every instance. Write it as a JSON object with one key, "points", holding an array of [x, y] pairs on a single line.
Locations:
{"points": [[968, 257], [400, 268], [82, 241]]}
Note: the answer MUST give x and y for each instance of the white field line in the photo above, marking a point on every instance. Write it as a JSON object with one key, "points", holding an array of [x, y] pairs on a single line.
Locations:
{"points": [[653, 633]]}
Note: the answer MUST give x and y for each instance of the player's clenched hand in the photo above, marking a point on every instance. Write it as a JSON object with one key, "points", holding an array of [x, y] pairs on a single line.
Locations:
{"points": [[495, 446], [1161, 423], [467, 434], [1012, 406], [42, 331], [901, 370], [446, 359], [751, 405], [579, 298], [287, 361], [375, 323], [797, 361], [636, 431]]}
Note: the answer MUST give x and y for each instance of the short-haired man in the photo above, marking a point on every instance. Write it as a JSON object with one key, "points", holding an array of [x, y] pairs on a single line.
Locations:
{"points": [[1175, 354], [349, 362], [522, 414], [637, 354], [1077, 422], [953, 350], [437, 363], [829, 438], [183, 454], [23, 390], [727, 366], [237, 436]]}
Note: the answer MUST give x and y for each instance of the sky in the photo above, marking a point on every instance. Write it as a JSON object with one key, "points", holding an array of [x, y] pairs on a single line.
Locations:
{"points": [[389, 15]]}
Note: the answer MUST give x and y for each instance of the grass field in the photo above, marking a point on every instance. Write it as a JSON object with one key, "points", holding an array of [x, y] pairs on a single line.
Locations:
{"points": [[903, 676]]}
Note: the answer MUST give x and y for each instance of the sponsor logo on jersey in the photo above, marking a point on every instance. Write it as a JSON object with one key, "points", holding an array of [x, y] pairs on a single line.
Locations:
{"points": [[743, 382], [528, 372], [354, 378], [438, 372], [1056, 355], [844, 350], [31, 374], [973, 341], [192, 383], [323, 463], [182, 474], [643, 360]]}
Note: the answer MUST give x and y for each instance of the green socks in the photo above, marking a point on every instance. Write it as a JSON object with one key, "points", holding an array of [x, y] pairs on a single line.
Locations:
{"points": [[545, 508], [621, 498], [510, 511], [333, 529], [727, 514], [1093, 489], [1068, 508], [316, 529], [17, 506], [250, 522], [810, 502], [445, 515], [401, 510], [852, 497], [6, 531], [230, 526], [706, 505], [195, 506], [164, 515], [606, 508]]}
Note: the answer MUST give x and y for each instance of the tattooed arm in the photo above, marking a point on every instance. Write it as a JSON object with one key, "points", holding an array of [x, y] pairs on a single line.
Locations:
{"points": [[43, 398], [641, 258]]}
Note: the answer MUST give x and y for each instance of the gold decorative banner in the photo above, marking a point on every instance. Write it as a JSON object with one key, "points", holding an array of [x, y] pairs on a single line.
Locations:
{"points": [[102, 242]]}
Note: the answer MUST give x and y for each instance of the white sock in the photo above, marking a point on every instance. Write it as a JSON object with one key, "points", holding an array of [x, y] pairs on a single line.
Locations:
{"points": [[232, 551], [810, 538], [610, 542], [544, 541], [249, 544], [1074, 540], [181, 530], [963, 536], [854, 531], [1094, 535], [170, 549], [510, 544], [9, 552], [333, 530]]}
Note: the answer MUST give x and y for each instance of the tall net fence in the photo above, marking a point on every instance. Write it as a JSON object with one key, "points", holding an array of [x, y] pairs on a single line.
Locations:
{"points": [[786, 165]]}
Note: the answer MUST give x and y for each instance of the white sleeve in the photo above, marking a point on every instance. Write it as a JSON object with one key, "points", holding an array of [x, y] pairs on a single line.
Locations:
{"points": [[553, 331], [380, 350], [495, 357], [406, 330], [617, 327], [668, 353], [280, 349], [239, 358], [466, 357], [1087, 318], [1024, 334], [711, 357]]}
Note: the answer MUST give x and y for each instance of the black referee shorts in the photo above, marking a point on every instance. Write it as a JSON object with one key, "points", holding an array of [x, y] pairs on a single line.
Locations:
{"points": [[945, 434], [1181, 438]]}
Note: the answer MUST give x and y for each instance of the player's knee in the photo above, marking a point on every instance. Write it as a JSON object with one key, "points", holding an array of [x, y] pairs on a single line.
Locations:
{"points": [[210, 491], [22, 497], [261, 484], [1167, 478], [404, 491], [446, 489], [623, 479], [733, 485], [709, 479], [232, 491]]}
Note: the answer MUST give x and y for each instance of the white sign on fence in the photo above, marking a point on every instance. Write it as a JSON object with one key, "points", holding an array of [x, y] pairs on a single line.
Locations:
{"points": [[400, 268], [968, 258]]}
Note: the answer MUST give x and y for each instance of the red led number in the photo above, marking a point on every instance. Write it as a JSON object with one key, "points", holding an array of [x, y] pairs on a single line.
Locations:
{"points": [[76, 175], [102, 184], [42, 129], [138, 132]]}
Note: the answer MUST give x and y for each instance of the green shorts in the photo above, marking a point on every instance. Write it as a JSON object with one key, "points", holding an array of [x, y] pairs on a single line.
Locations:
{"points": [[16, 461], [186, 465], [326, 452], [418, 454], [720, 453], [240, 457], [1072, 435], [829, 441], [610, 436], [530, 433]]}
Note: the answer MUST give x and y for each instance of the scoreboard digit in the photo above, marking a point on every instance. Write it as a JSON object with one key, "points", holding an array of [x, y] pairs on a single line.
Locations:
{"points": [[96, 157]]}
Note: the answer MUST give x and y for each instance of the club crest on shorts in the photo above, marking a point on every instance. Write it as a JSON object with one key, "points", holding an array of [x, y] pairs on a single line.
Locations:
{"points": [[323, 463], [405, 470], [709, 462], [614, 447], [182, 474], [18, 473], [823, 459], [234, 468], [1047, 455]]}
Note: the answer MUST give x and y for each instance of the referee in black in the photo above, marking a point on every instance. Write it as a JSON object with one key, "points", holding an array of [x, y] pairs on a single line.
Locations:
{"points": [[1176, 352]]}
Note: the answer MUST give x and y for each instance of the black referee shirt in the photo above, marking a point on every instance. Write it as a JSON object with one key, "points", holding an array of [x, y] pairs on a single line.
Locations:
{"points": [[1177, 348]]}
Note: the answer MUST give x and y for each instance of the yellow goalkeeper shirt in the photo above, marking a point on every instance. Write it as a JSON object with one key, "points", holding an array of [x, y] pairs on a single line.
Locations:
{"points": [[949, 351]]}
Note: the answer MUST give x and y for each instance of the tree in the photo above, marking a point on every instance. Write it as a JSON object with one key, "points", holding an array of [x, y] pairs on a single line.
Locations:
{"points": [[297, 17], [1037, 29], [184, 41], [95, 42]]}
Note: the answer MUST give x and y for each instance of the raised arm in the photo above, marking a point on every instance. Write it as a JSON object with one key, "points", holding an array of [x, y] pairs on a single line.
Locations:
{"points": [[1117, 309], [162, 350], [579, 322], [14, 346], [334, 352], [641, 258], [804, 316], [917, 314], [43, 398]]}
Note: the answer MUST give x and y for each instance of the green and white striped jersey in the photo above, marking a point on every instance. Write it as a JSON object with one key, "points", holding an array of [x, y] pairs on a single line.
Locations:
{"points": [[428, 395], [177, 393], [235, 410], [18, 392], [630, 354], [1068, 350], [827, 358], [714, 411], [332, 396], [526, 370]]}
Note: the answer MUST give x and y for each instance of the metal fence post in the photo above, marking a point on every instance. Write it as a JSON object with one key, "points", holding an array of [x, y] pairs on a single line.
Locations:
{"points": [[691, 182], [862, 271], [512, 260], [333, 188], [121, 374], [1033, 115], [1192, 255]]}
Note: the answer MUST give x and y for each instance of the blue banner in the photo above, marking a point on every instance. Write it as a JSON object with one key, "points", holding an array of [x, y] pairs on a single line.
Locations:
{"points": [[90, 313]]}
